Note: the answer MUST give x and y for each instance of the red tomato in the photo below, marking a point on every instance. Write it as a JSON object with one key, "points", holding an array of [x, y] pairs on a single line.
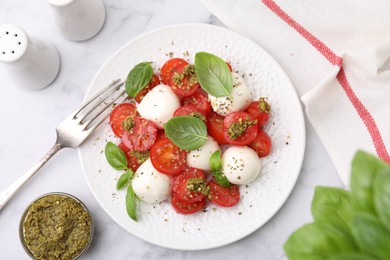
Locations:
{"points": [[225, 197], [181, 184], [169, 68], [119, 114], [186, 84], [262, 144], [239, 128], [199, 100], [214, 127], [142, 135], [153, 82], [134, 158], [167, 158], [230, 66], [161, 134], [260, 110], [190, 110], [184, 207]]}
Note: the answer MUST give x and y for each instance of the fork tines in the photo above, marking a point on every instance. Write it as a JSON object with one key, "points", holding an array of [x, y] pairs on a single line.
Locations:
{"points": [[92, 113]]}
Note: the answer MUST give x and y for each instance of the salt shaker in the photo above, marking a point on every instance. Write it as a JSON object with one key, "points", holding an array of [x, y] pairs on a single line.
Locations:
{"points": [[78, 20], [32, 63]]}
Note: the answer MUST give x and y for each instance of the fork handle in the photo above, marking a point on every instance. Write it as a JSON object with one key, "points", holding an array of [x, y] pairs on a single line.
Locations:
{"points": [[7, 194]]}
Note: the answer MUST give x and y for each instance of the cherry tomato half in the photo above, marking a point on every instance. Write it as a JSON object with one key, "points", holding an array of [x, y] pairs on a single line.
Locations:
{"points": [[167, 158], [190, 110], [214, 127], [199, 100], [262, 144], [225, 197], [153, 82], [169, 68], [142, 135], [184, 81], [190, 178], [239, 128], [134, 158], [260, 110], [119, 115], [184, 207]]}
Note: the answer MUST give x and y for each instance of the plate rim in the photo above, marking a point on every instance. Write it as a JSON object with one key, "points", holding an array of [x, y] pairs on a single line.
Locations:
{"points": [[301, 137]]}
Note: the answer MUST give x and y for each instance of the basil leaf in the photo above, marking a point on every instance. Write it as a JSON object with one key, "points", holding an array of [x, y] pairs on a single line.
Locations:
{"points": [[138, 78], [187, 132], [221, 179], [351, 256], [215, 161], [124, 179], [319, 240], [115, 156], [382, 197], [370, 235], [213, 74], [364, 167], [131, 203], [329, 201]]}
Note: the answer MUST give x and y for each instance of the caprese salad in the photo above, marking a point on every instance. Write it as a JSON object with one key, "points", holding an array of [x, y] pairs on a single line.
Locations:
{"points": [[191, 133]]}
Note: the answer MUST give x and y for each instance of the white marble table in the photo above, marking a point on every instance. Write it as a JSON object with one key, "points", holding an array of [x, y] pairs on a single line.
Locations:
{"points": [[28, 120]]}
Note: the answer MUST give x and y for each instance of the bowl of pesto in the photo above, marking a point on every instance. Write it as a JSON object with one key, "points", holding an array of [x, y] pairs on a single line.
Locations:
{"points": [[56, 226]]}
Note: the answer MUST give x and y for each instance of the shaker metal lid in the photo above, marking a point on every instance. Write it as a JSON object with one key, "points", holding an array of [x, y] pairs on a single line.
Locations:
{"points": [[13, 42]]}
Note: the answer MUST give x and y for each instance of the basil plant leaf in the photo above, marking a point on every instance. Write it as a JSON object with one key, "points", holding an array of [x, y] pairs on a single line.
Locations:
{"points": [[138, 78], [370, 235], [215, 161], [213, 74], [187, 132], [319, 240], [364, 167], [330, 201], [351, 256], [131, 203], [221, 179], [115, 156], [124, 179], [382, 197]]}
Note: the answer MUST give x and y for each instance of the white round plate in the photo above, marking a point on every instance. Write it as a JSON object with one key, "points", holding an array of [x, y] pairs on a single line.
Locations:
{"points": [[215, 226]]}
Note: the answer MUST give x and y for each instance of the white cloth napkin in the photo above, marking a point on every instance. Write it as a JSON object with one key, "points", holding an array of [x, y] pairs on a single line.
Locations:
{"points": [[337, 54]]}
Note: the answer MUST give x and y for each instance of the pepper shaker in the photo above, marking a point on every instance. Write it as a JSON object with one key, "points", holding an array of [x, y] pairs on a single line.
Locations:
{"points": [[78, 20], [32, 64]]}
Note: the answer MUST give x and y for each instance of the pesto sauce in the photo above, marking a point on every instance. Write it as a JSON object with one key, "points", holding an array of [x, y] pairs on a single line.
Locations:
{"points": [[56, 227]]}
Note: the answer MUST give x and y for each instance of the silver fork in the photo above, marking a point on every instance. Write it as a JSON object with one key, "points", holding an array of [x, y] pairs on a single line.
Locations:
{"points": [[74, 130]]}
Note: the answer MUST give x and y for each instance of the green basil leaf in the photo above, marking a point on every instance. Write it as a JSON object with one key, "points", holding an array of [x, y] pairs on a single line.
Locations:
{"points": [[382, 197], [319, 240], [221, 179], [329, 201], [213, 74], [131, 203], [351, 256], [124, 179], [370, 235], [187, 132], [138, 78], [115, 156], [215, 161]]}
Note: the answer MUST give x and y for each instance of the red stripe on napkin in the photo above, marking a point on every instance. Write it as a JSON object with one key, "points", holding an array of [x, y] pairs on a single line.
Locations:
{"points": [[341, 77]]}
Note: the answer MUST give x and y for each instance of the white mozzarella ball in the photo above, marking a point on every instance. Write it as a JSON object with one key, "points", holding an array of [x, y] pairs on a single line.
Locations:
{"points": [[241, 97], [200, 157], [158, 105], [240, 164], [150, 185]]}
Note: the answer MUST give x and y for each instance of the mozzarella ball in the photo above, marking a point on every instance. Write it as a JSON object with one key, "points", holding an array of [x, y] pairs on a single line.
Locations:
{"points": [[240, 99], [200, 157], [240, 164], [150, 185], [158, 105]]}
